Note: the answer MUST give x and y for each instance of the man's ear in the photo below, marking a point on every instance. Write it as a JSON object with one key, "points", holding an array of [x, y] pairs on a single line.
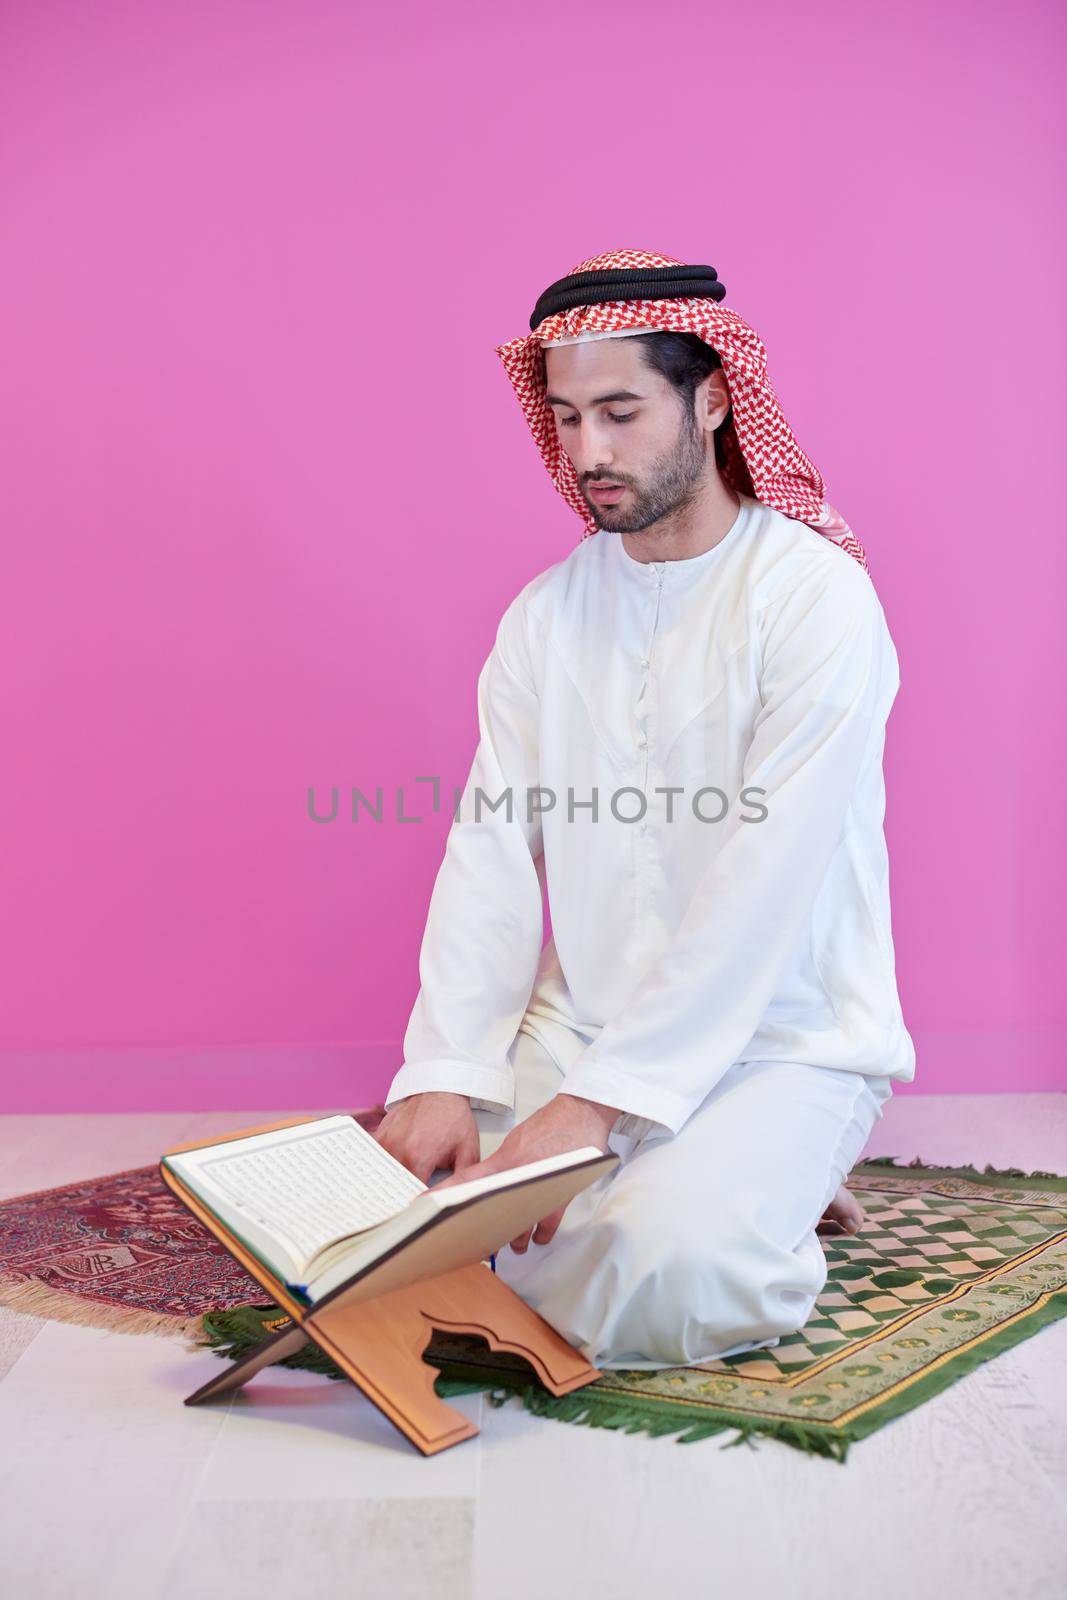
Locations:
{"points": [[713, 399]]}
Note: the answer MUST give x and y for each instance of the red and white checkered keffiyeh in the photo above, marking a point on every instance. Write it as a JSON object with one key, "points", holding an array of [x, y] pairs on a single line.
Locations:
{"points": [[760, 455]]}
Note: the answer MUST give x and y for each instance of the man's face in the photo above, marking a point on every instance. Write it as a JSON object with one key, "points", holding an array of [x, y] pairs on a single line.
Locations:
{"points": [[622, 423]]}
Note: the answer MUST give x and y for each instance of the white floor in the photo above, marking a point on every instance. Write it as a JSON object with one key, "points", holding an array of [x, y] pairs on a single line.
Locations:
{"points": [[109, 1487]]}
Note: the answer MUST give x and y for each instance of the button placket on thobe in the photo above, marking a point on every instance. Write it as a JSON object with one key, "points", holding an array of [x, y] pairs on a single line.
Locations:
{"points": [[646, 717]]}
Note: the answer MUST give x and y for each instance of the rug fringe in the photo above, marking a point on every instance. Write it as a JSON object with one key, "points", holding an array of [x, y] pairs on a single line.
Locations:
{"points": [[587, 1408], [231, 1334], [54, 1305], [966, 1170]]}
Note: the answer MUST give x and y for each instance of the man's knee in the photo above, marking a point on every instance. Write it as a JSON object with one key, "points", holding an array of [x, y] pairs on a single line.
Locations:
{"points": [[702, 1286]]}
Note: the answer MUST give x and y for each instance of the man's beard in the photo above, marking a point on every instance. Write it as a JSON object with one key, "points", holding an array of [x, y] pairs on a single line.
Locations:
{"points": [[673, 485]]}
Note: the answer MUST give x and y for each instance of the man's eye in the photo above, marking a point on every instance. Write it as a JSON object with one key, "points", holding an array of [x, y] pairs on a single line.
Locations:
{"points": [[571, 422]]}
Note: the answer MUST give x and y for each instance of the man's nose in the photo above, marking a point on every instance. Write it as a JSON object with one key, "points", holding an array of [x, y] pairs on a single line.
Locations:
{"points": [[592, 454]]}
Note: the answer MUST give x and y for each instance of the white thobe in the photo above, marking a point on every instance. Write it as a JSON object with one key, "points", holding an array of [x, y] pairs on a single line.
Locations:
{"points": [[703, 1243], [693, 754]]}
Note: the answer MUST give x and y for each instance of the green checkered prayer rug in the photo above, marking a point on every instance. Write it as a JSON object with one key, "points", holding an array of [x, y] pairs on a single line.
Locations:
{"points": [[951, 1267]]}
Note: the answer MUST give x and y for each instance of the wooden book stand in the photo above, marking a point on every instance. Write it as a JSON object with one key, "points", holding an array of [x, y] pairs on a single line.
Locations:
{"points": [[376, 1326]]}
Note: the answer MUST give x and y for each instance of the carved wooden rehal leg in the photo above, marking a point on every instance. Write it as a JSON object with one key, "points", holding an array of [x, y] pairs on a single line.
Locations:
{"points": [[379, 1344], [286, 1342]]}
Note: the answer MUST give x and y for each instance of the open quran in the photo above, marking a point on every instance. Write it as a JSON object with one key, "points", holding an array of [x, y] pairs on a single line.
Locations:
{"points": [[321, 1202]]}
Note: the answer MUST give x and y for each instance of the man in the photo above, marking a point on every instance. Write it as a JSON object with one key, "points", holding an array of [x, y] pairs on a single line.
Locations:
{"points": [[681, 735]]}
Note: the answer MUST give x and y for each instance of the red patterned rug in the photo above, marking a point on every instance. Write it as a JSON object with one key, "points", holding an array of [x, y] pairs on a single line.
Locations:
{"points": [[119, 1252]]}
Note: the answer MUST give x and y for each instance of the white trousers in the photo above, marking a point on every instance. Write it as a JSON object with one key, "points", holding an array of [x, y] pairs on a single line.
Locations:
{"points": [[703, 1244]]}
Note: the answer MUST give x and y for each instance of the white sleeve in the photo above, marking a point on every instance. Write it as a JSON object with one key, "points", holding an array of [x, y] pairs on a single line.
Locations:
{"points": [[825, 657], [485, 924]]}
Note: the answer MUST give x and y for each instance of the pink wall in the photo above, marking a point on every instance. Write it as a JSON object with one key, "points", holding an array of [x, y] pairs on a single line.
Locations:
{"points": [[266, 490]]}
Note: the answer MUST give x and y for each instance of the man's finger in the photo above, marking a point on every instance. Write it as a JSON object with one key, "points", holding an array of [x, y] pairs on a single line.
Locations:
{"points": [[468, 1151], [547, 1226], [460, 1174], [519, 1245]]}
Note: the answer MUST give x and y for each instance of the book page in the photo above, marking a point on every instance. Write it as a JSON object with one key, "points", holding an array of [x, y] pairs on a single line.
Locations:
{"points": [[307, 1185], [457, 1193], [435, 1200], [459, 1225]]}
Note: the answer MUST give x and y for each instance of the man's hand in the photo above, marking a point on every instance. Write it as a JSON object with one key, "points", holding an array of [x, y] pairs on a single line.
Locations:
{"points": [[431, 1130], [564, 1123]]}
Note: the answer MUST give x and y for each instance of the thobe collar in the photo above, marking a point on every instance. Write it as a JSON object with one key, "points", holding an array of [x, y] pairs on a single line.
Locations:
{"points": [[677, 573]]}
